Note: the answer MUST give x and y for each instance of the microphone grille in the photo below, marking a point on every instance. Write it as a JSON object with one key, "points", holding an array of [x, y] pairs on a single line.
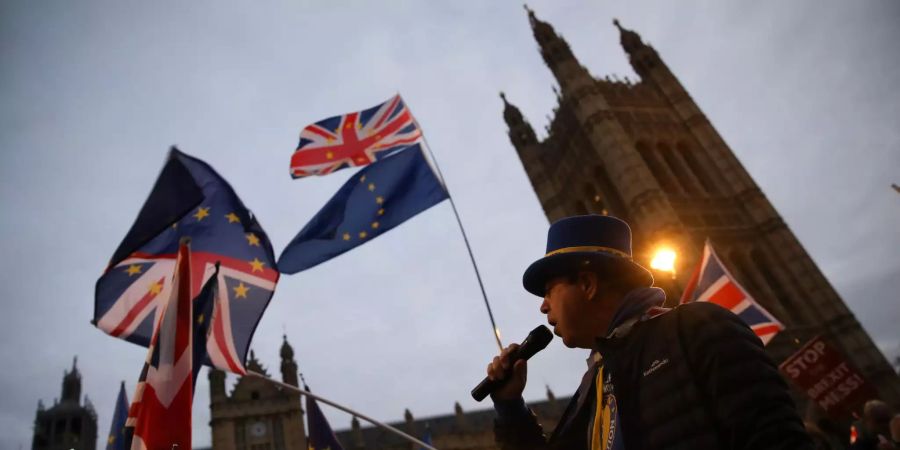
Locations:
{"points": [[541, 336]]}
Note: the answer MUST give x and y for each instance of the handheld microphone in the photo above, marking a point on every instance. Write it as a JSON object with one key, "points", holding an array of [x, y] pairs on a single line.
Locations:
{"points": [[536, 341]]}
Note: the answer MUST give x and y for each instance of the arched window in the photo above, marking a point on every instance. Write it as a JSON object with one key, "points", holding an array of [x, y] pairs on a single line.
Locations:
{"points": [[662, 175], [702, 167], [612, 202], [693, 162], [764, 265], [682, 176]]}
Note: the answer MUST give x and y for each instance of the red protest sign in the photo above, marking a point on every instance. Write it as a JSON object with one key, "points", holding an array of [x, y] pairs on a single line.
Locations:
{"points": [[827, 378]]}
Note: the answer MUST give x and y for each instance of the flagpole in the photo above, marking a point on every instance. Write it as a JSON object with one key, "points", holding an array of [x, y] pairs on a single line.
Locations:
{"points": [[342, 408], [487, 304]]}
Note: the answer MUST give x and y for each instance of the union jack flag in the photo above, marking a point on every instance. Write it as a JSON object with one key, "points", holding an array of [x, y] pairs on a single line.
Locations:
{"points": [[160, 414], [190, 199], [355, 139], [711, 282]]}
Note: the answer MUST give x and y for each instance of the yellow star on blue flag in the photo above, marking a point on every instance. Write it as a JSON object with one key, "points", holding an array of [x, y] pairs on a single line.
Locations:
{"points": [[379, 197], [116, 439]]}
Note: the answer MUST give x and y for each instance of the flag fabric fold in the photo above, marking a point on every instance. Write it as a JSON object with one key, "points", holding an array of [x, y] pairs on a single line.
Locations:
{"points": [[354, 139], [712, 282], [190, 199], [160, 413], [376, 199], [321, 436], [116, 439], [202, 318]]}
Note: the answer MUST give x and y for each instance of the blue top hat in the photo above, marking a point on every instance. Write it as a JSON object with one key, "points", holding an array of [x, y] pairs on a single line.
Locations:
{"points": [[598, 243]]}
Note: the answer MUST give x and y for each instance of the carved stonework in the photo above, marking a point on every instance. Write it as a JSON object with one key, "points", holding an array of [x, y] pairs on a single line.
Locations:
{"points": [[644, 151], [257, 414]]}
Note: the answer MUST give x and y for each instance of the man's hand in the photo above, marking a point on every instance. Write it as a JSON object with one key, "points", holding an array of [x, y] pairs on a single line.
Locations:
{"points": [[497, 370]]}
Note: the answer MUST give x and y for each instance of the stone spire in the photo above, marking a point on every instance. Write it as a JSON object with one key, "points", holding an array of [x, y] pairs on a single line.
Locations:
{"points": [[557, 55], [288, 365], [520, 131], [71, 388], [358, 441], [641, 56], [543, 31], [555, 51], [630, 40], [410, 422], [461, 421]]}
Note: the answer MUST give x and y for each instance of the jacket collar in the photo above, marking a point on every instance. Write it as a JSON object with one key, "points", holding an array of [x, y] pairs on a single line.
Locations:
{"points": [[636, 306]]}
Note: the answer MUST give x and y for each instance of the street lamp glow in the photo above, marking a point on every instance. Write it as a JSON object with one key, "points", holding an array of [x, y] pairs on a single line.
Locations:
{"points": [[664, 260]]}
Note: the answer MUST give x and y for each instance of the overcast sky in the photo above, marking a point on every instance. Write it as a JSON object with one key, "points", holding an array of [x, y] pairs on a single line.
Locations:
{"points": [[94, 92]]}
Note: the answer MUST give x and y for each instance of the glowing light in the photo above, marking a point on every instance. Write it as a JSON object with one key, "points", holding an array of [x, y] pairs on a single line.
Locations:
{"points": [[497, 331], [664, 260]]}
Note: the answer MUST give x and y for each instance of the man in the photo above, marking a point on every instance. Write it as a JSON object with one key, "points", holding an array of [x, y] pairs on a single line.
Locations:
{"points": [[874, 430], [694, 377]]}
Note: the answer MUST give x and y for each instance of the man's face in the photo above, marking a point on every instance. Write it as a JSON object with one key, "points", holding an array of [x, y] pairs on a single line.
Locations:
{"points": [[566, 305]]}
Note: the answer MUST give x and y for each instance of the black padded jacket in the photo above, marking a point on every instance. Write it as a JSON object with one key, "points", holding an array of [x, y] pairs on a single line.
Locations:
{"points": [[695, 377]]}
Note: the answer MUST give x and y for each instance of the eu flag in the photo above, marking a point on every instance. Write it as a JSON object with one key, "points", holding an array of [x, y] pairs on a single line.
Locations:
{"points": [[321, 437], [379, 197], [116, 439], [190, 199], [426, 438]]}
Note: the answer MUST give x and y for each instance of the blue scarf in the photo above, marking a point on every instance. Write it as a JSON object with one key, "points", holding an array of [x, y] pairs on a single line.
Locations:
{"points": [[636, 302]]}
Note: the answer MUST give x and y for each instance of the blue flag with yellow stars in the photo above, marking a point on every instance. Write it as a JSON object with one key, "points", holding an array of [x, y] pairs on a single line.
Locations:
{"points": [[426, 438], [116, 439], [191, 199], [320, 436], [379, 197]]}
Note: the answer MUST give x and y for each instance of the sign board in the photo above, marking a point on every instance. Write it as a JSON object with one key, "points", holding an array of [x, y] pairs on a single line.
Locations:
{"points": [[827, 378]]}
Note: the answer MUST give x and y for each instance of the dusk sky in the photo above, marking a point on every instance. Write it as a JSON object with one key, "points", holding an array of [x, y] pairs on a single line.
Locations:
{"points": [[94, 92]]}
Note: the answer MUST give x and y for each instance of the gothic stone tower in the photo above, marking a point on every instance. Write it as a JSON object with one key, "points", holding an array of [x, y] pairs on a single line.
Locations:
{"points": [[67, 424], [258, 415], [643, 151]]}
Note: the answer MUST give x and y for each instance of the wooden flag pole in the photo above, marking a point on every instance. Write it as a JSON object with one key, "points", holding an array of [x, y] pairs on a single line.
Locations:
{"points": [[342, 408], [487, 304]]}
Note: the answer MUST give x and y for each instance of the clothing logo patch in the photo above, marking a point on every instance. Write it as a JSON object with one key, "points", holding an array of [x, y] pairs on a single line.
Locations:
{"points": [[656, 365]]}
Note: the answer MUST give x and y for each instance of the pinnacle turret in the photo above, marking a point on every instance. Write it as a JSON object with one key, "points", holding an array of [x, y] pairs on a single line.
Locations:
{"points": [[287, 352], [643, 58], [288, 365], [71, 389], [557, 55], [216, 385], [543, 31], [547, 38], [630, 40], [511, 113], [520, 131]]}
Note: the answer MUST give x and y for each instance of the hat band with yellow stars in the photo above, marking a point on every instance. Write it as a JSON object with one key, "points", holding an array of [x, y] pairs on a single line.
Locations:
{"points": [[589, 248]]}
